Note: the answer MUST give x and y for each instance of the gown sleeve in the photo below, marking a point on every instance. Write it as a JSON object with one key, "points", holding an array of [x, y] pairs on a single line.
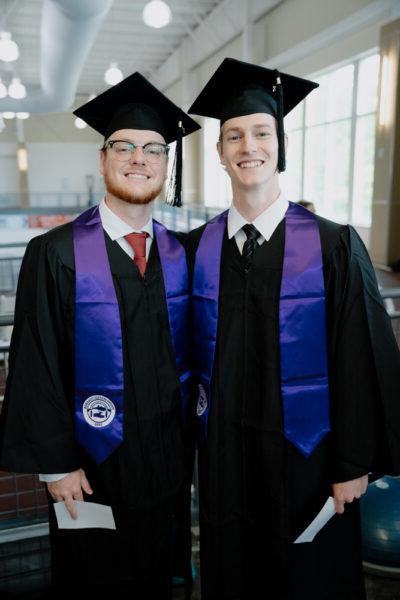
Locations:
{"points": [[36, 423], [365, 367]]}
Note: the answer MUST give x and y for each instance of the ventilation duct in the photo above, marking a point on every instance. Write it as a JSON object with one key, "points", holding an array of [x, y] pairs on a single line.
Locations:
{"points": [[68, 31]]}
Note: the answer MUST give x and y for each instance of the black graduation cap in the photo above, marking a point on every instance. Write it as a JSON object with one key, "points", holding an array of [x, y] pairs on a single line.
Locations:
{"points": [[135, 103], [238, 88]]}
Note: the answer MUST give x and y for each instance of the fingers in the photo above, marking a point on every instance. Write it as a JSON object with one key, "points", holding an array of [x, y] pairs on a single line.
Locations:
{"points": [[364, 484], [85, 484], [70, 506], [348, 491], [69, 489], [339, 506]]}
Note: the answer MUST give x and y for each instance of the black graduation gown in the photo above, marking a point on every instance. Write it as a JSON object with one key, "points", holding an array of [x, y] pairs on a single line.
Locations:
{"points": [[147, 479], [257, 491]]}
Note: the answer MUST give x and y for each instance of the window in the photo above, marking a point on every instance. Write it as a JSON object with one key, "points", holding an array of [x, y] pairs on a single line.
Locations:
{"points": [[217, 185], [330, 158]]}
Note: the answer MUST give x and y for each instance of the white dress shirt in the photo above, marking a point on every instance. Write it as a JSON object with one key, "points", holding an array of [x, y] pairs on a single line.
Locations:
{"points": [[116, 228], [266, 222]]}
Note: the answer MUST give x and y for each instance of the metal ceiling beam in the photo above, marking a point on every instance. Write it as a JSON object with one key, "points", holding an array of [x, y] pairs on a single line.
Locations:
{"points": [[214, 32]]}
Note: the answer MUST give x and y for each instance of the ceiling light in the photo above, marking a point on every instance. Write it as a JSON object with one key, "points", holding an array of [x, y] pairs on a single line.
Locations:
{"points": [[9, 50], [80, 123], [22, 115], [16, 89], [3, 90], [113, 75], [8, 115], [156, 14]]}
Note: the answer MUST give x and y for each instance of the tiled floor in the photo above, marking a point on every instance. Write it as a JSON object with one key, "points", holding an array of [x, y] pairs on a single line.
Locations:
{"points": [[30, 559]]}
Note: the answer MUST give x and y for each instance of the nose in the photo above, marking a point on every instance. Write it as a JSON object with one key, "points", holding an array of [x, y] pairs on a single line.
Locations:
{"points": [[248, 144], [138, 156]]}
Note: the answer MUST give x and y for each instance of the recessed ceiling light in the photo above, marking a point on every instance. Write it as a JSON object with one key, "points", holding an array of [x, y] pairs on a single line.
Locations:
{"points": [[156, 14], [113, 75]]}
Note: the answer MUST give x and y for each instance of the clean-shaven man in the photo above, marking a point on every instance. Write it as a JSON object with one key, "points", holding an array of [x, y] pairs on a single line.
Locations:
{"points": [[296, 365]]}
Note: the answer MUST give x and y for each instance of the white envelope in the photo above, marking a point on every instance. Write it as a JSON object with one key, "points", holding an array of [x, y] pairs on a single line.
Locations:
{"points": [[90, 515], [324, 515]]}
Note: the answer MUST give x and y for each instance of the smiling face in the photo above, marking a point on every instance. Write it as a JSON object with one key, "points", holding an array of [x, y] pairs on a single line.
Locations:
{"points": [[137, 180], [249, 150]]}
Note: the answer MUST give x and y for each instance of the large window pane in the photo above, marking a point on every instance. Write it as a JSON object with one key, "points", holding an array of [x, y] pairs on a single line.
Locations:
{"points": [[326, 177], [337, 168], [368, 72], [340, 95], [217, 185], [316, 103], [363, 170], [341, 105], [333, 99], [294, 120], [314, 166], [291, 178]]}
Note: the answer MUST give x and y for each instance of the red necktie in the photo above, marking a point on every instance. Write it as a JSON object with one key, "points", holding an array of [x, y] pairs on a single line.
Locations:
{"points": [[138, 243]]}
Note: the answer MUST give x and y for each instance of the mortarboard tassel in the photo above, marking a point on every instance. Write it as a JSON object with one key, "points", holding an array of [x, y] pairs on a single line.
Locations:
{"points": [[281, 131], [174, 192]]}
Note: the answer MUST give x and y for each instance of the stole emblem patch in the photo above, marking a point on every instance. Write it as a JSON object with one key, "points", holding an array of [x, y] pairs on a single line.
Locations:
{"points": [[99, 411], [202, 402]]}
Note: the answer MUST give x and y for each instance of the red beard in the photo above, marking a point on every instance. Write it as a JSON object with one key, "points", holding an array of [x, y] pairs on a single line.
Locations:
{"points": [[118, 191]]}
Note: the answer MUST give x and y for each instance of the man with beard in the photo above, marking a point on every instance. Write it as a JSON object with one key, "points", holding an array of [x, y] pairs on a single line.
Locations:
{"points": [[96, 398], [296, 362]]}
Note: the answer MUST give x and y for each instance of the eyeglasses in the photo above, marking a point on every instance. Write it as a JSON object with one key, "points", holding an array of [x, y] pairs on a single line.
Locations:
{"points": [[123, 151]]}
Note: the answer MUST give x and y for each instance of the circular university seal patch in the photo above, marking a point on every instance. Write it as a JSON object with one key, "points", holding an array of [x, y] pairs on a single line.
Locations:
{"points": [[202, 401], [98, 411]]}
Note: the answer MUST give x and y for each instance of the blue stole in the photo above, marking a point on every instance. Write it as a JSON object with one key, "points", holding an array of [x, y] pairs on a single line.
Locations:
{"points": [[302, 326], [99, 374]]}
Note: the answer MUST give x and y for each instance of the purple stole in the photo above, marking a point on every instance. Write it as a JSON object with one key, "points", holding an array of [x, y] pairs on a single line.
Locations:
{"points": [[99, 374], [302, 326]]}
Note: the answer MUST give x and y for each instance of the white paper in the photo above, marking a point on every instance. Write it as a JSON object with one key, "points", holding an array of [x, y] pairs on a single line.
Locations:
{"points": [[90, 514], [326, 513]]}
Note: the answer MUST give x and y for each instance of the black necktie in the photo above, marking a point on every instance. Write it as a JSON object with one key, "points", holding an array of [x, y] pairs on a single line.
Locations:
{"points": [[250, 244]]}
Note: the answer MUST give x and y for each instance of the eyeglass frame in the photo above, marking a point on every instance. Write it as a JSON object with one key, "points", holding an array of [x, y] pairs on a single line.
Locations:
{"points": [[110, 144]]}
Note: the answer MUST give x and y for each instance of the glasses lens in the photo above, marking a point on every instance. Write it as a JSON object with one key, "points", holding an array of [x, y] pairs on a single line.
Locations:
{"points": [[154, 152], [123, 150]]}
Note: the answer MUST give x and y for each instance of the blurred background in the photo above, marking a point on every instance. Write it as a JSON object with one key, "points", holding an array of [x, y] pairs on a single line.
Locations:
{"points": [[343, 156]]}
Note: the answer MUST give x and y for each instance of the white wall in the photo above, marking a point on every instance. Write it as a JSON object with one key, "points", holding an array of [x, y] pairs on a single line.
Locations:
{"points": [[62, 167], [9, 176]]}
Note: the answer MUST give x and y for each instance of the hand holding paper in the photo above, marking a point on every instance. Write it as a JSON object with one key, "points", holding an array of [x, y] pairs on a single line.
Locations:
{"points": [[349, 491], [324, 515], [70, 488], [89, 514]]}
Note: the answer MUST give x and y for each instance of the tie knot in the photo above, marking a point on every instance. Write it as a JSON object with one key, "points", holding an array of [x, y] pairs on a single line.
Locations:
{"points": [[251, 232], [137, 240]]}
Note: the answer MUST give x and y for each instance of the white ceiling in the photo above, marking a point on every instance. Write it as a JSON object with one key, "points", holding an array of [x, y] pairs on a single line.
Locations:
{"points": [[123, 38]]}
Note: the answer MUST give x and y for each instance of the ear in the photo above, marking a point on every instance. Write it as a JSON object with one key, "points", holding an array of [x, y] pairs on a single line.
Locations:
{"points": [[220, 153]]}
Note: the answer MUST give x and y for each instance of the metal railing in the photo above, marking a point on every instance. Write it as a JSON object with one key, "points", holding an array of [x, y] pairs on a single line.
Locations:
{"points": [[183, 219], [61, 200]]}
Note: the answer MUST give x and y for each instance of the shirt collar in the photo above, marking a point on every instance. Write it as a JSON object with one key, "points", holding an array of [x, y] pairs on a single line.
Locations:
{"points": [[266, 222], [115, 227]]}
